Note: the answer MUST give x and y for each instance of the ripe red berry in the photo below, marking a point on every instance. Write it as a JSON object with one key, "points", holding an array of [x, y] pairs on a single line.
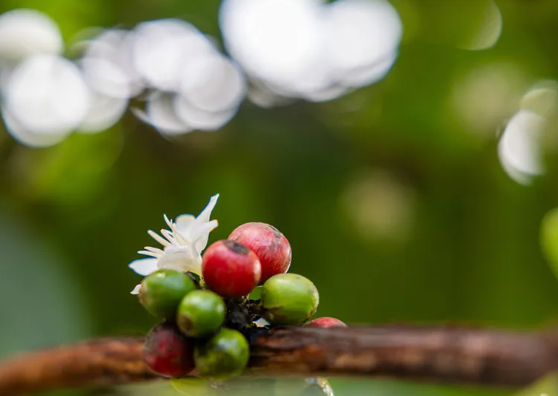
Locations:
{"points": [[167, 352], [271, 247], [325, 323], [230, 269]]}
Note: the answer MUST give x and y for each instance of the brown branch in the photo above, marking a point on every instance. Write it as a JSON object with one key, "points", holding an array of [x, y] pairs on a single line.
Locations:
{"points": [[442, 354]]}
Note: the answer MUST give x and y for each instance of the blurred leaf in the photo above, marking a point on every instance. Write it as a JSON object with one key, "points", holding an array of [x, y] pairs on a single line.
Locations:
{"points": [[549, 238], [390, 387], [548, 386], [75, 171], [41, 304], [191, 386]]}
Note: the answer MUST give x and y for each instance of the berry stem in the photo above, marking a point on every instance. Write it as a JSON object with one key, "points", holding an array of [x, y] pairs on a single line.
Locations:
{"points": [[195, 278]]}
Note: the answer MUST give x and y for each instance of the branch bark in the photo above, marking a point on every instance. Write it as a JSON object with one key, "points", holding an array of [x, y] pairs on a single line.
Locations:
{"points": [[441, 354]]}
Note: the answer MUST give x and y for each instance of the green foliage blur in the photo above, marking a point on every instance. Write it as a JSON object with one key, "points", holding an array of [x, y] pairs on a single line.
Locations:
{"points": [[393, 196]]}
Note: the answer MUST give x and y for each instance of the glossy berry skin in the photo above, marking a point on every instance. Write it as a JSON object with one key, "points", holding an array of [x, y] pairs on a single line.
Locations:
{"points": [[289, 299], [230, 269], [325, 322], [167, 352], [223, 356], [200, 313], [271, 247], [162, 291]]}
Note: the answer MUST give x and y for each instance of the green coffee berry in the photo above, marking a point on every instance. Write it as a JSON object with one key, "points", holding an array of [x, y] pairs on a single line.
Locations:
{"points": [[200, 313], [162, 291], [289, 299], [223, 356]]}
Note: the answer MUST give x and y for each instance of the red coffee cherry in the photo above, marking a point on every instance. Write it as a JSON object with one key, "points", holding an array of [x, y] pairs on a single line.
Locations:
{"points": [[271, 247], [167, 352], [230, 269], [325, 323]]}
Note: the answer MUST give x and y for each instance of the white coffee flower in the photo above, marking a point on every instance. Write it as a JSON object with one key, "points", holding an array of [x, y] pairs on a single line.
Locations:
{"points": [[182, 244]]}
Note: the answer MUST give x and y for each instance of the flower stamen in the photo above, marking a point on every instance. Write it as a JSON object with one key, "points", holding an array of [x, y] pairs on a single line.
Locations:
{"points": [[158, 238], [151, 254]]}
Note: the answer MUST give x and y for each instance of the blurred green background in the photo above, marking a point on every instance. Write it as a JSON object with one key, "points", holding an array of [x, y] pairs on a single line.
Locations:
{"points": [[393, 197]]}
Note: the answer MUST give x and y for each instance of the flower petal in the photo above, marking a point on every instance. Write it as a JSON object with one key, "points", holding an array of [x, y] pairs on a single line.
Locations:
{"points": [[183, 223], [192, 228], [205, 214], [261, 322], [201, 234], [182, 258], [136, 289], [144, 266]]}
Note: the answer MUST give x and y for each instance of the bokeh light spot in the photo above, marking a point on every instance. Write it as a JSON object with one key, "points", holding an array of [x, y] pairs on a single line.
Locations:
{"points": [[212, 83], [160, 114], [161, 48], [309, 49], [46, 95], [530, 133], [487, 30], [380, 206], [27, 32], [519, 149]]}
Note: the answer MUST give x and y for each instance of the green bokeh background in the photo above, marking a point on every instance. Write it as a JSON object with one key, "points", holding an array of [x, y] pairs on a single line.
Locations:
{"points": [[393, 197]]}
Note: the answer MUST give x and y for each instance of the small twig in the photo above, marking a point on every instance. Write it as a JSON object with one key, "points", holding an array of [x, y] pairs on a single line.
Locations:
{"points": [[442, 354]]}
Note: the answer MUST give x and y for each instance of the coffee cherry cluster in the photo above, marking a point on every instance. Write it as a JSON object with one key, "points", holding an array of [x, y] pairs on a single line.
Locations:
{"points": [[205, 318]]}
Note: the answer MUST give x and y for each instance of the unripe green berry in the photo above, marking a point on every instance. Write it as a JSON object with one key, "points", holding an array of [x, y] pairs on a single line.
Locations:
{"points": [[200, 313], [289, 299], [162, 291], [223, 356]]}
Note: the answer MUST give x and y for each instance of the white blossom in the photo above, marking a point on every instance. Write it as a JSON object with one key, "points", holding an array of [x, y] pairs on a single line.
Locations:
{"points": [[182, 244]]}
